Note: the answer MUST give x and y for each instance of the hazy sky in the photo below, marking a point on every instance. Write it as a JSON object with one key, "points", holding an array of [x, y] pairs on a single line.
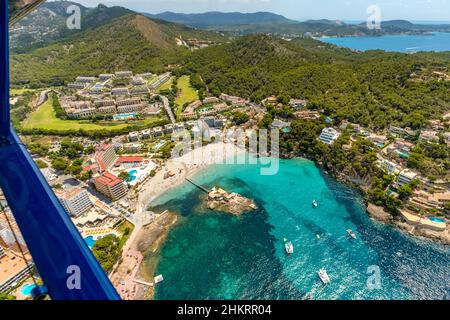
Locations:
{"points": [[297, 9]]}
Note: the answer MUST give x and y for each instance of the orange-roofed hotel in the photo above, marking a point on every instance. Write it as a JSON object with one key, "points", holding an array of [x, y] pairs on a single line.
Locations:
{"points": [[111, 186], [105, 157]]}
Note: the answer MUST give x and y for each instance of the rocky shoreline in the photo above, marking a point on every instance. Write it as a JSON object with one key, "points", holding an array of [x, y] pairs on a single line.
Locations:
{"points": [[229, 202], [442, 237], [149, 242], [379, 213]]}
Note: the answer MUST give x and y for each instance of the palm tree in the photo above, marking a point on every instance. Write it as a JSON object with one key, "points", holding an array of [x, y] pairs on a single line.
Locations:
{"points": [[124, 175]]}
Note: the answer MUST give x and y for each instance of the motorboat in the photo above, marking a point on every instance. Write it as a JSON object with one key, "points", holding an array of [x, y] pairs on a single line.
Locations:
{"points": [[351, 234], [288, 246], [323, 275]]}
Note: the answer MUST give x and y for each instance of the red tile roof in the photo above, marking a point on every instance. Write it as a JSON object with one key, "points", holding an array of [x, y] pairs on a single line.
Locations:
{"points": [[130, 159], [87, 168], [108, 179], [99, 156]]}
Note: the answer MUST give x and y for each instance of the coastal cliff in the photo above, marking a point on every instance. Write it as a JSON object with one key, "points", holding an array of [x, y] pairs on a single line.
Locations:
{"points": [[379, 214]]}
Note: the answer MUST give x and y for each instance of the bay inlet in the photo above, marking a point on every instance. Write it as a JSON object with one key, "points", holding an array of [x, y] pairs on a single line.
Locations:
{"points": [[437, 41], [211, 255]]}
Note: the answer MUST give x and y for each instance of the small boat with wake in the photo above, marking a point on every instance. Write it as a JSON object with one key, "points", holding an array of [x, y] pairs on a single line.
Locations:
{"points": [[315, 204]]}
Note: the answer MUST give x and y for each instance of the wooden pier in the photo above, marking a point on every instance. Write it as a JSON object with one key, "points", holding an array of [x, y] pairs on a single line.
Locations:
{"points": [[198, 186], [148, 284]]}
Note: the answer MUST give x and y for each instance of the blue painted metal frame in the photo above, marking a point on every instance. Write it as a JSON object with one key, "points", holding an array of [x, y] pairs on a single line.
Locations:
{"points": [[59, 252]]}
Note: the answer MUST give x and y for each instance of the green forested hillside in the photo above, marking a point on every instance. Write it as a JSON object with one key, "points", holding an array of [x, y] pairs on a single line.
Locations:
{"points": [[374, 88], [47, 23], [131, 42]]}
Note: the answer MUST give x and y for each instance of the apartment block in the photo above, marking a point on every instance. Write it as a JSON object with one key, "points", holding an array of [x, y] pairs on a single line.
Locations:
{"points": [[111, 186], [124, 74], [105, 156], [76, 201], [122, 91], [82, 79]]}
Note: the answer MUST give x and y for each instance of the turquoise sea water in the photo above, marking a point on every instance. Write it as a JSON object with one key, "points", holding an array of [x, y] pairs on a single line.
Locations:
{"points": [[401, 43], [212, 255]]}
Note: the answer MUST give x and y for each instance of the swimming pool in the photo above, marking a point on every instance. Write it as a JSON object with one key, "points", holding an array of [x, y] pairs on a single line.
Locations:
{"points": [[203, 110], [160, 145], [27, 288], [124, 116], [90, 241], [436, 219], [132, 176]]}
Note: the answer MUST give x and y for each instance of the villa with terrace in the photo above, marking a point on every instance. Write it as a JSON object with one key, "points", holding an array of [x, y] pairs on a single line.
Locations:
{"points": [[329, 135], [307, 115], [298, 103]]}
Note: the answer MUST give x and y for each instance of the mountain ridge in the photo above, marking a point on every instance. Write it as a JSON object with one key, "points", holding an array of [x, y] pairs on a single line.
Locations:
{"points": [[132, 42], [212, 18], [278, 24]]}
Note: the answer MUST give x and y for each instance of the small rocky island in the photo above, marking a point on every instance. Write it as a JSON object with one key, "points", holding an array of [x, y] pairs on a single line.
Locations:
{"points": [[233, 203]]}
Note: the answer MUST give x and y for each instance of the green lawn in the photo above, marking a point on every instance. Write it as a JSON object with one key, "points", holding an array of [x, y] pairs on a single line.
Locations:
{"points": [[122, 228], [18, 92], [185, 93], [45, 118]]}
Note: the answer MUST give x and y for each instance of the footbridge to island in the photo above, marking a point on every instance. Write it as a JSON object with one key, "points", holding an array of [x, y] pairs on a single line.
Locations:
{"points": [[198, 186]]}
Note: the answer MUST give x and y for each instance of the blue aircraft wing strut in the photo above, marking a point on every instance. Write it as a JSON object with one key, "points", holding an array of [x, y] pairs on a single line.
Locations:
{"points": [[65, 263]]}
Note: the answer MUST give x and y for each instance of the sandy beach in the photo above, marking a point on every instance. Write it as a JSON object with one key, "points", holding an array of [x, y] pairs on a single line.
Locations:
{"points": [[147, 239], [148, 242], [175, 171]]}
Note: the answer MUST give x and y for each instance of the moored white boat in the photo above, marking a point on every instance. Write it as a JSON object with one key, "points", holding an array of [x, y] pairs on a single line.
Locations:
{"points": [[323, 275], [351, 233], [288, 246]]}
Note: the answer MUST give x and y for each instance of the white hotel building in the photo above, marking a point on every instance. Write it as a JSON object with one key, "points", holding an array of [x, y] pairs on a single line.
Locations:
{"points": [[76, 201], [329, 135]]}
